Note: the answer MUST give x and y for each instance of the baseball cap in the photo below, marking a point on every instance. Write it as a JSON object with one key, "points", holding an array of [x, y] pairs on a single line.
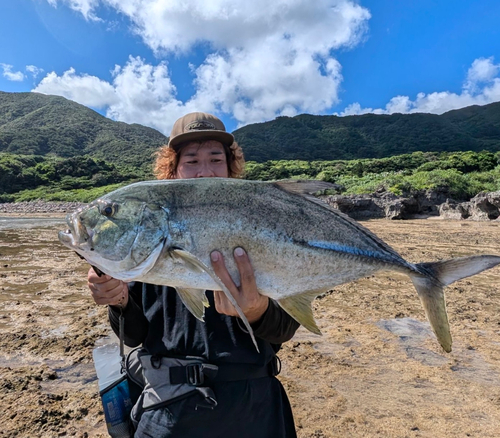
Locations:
{"points": [[199, 126]]}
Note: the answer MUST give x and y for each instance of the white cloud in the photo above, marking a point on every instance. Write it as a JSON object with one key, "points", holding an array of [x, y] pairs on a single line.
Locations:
{"points": [[481, 86], [266, 58], [145, 94], [482, 72], [139, 93], [85, 89], [85, 7], [34, 70], [15, 76]]}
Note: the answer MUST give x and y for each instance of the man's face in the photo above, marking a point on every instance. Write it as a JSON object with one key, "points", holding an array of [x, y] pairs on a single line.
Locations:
{"points": [[206, 159]]}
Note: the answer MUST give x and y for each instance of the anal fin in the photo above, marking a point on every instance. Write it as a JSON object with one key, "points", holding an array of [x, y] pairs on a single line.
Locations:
{"points": [[195, 300], [192, 260], [299, 307]]}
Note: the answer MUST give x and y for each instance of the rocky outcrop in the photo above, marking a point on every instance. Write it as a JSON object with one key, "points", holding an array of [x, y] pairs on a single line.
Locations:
{"points": [[484, 206]]}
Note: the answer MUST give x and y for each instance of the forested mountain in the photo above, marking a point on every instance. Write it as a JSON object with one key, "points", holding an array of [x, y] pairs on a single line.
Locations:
{"points": [[308, 137], [37, 124]]}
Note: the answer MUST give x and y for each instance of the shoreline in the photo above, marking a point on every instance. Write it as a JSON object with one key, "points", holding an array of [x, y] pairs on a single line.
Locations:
{"points": [[39, 208]]}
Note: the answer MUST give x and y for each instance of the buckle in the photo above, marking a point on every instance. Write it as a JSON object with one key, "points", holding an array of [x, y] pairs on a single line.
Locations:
{"points": [[156, 362], [194, 374]]}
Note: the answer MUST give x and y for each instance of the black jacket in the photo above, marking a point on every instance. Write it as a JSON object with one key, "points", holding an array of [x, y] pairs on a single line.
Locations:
{"points": [[156, 317]]}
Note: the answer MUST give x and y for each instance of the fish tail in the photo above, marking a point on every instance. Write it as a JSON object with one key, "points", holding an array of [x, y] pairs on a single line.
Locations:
{"points": [[434, 276]]}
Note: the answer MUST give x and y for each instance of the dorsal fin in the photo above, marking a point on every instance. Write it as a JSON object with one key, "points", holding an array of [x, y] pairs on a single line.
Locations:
{"points": [[304, 186]]}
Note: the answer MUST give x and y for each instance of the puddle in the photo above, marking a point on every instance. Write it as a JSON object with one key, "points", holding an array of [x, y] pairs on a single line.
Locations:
{"points": [[66, 376], [37, 274], [318, 343], [468, 363], [409, 330], [10, 223], [58, 332], [427, 357], [19, 360], [412, 333], [71, 378]]}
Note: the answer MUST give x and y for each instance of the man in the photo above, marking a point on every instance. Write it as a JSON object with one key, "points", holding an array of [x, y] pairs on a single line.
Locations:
{"points": [[250, 401]]}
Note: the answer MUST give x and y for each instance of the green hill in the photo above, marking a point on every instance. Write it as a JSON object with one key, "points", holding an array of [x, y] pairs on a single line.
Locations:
{"points": [[307, 137], [37, 124]]}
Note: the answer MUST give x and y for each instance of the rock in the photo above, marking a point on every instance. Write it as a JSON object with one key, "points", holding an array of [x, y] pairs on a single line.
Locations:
{"points": [[357, 207], [454, 210], [483, 207]]}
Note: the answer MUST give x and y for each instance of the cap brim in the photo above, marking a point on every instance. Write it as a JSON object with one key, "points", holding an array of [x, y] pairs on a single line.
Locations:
{"points": [[225, 138]]}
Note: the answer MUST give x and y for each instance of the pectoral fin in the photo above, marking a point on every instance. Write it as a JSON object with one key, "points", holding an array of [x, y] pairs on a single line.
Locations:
{"points": [[187, 259], [192, 260], [195, 300], [299, 308]]}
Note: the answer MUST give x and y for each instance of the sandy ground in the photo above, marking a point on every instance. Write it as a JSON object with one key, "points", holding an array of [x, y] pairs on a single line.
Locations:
{"points": [[377, 371]]}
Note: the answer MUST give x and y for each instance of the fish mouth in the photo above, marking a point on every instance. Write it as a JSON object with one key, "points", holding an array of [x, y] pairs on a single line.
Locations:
{"points": [[66, 238], [77, 236]]}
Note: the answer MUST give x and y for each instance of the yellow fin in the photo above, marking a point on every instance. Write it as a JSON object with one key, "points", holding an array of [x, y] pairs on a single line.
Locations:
{"points": [[195, 300], [432, 297], [299, 308]]}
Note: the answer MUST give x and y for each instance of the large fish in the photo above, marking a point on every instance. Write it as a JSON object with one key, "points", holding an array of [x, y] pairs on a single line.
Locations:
{"points": [[162, 232]]}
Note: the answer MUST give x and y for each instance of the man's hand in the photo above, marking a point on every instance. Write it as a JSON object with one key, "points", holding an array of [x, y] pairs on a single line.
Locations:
{"points": [[107, 290], [251, 302]]}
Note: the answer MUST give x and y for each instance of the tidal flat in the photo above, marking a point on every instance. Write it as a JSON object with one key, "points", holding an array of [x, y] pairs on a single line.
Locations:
{"points": [[377, 371]]}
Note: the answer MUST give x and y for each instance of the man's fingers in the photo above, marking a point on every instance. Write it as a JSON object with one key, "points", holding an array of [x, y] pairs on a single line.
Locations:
{"points": [[217, 301], [94, 278], [246, 295], [245, 268], [223, 305], [107, 290], [222, 272], [115, 297]]}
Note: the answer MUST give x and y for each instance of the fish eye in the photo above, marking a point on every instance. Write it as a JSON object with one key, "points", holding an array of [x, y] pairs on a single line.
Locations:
{"points": [[109, 210]]}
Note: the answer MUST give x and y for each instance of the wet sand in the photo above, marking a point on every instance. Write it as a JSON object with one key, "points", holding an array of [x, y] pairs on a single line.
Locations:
{"points": [[377, 371]]}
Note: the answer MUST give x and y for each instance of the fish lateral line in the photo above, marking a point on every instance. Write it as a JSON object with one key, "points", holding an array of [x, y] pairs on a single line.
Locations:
{"points": [[352, 250]]}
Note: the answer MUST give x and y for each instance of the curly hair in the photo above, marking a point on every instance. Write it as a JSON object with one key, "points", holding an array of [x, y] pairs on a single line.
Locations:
{"points": [[167, 158]]}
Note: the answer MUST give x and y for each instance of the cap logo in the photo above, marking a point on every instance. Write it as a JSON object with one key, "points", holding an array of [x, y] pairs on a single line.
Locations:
{"points": [[200, 125]]}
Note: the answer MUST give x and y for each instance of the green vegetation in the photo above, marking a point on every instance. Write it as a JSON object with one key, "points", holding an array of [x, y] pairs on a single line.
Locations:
{"points": [[463, 174], [37, 124], [310, 138], [81, 178]]}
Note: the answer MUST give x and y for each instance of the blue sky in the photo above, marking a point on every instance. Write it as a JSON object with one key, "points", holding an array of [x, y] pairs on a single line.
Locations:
{"points": [[151, 61]]}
